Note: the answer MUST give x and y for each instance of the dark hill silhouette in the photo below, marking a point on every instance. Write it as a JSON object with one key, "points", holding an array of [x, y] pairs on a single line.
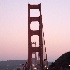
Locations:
{"points": [[63, 61]]}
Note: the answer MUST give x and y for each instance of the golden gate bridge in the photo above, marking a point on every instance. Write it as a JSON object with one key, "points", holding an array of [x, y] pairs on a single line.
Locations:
{"points": [[42, 56], [39, 61]]}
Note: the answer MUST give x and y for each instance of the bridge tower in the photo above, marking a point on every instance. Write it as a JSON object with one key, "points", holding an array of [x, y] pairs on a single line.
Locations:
{"points": [[38, 49]]}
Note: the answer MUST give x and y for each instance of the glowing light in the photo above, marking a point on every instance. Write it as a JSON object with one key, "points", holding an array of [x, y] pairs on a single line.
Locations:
{"points": [[69, 65], [35, 68], [47, 68], [33, 65]]}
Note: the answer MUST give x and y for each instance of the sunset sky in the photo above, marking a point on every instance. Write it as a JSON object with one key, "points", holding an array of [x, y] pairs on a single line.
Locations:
{"points": [[14, 28]]}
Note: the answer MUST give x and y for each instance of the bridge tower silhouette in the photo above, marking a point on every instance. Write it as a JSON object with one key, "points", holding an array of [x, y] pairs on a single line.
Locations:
{"points": [[39, 48]]}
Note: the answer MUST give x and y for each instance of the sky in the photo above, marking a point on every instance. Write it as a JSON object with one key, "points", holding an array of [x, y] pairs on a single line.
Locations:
{"points": [[14, 28]]}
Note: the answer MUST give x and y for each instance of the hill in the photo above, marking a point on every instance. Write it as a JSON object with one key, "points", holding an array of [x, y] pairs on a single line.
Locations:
{"points": [[62, 62]]}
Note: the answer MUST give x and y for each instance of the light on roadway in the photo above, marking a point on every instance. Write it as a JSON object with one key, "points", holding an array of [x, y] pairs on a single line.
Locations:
{"points": [[47, 68], [35, 68]]}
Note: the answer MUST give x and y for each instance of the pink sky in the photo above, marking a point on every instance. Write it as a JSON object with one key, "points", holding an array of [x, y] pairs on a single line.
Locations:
{"points": [[14, 28]]}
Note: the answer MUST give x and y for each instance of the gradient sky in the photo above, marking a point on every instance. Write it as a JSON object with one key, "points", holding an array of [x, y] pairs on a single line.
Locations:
{"points": [[14, 28]]}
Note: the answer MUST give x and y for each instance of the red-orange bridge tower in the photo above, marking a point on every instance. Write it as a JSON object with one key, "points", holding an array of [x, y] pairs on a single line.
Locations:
{"points": [[39, 32]]}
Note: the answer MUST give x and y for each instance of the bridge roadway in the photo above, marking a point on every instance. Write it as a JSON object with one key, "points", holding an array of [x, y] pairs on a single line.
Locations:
{"points": [[38, 67]]}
